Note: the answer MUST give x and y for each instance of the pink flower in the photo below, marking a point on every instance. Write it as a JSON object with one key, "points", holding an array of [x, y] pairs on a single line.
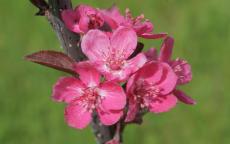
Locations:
{"points": [[110, 54], [82, 19], [113, 141], [151, 88], [181, 67], [86, 95], [143, 27]]}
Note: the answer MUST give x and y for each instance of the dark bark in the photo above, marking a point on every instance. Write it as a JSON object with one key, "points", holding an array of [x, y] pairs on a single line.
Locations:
{"points": [[70, 43], [69, 40]]}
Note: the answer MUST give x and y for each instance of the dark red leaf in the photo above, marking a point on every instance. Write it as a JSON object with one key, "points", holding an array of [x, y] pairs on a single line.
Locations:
{"points": [[53, 59]]}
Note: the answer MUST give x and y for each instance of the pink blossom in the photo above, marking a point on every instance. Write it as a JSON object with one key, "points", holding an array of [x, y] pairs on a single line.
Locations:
{"points": [[181, 67], [113, 141], [86, 94], [110, 53], [82, 19], [151, 88], [143, 27]]}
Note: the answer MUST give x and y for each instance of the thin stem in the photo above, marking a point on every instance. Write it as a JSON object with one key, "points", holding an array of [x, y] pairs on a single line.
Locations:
{"points": [[71, 45]]}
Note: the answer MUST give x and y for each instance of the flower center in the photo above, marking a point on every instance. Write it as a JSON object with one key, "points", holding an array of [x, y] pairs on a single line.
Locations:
{"points": [[145, 93], [90, 99], [115, 60], [95, 21], [178, 68]]}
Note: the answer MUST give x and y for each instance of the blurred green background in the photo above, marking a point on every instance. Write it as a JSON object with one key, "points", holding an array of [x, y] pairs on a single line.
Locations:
{"points": [[202, 32]]}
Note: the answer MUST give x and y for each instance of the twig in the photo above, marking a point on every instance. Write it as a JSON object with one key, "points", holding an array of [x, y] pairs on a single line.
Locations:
{"points": [[71, 45]]}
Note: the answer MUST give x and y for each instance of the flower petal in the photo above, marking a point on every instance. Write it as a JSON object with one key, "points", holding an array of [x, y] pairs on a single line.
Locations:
{"points": [[130, 67], [110, 75], [153, 36], [84, 10], [163, 104], [124, 41], [66, 89], [87, 73], [182, 70], [109, 117], [71, 20], [113, 96], [132, 111], [95, 45], [184, 98], [77, 117], [166, 49], [84, 24], [135, 63], [113, 141], [130, 84], [151, 72], [145, 27], [113, 17], [151, 54], [168, 80]]}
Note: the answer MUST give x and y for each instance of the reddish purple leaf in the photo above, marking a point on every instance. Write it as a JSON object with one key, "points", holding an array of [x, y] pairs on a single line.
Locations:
{"points": [[53, 59]]}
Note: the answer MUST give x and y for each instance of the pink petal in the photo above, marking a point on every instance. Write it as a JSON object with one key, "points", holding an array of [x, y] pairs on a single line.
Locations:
{"points": [[70, 18], [84, 24], [124, 41], [135, 63], [168, 80], [151, 72], [88, 74], [142, 28], [132, 111], [151, 54], [182, 70], [95, 45], [153, 36], [120, 75], [163, 103], [184, 98], [102, 67], [129, 68], [131, 83], [113, 96], [113, 141], [166, 49], [113, 17], [84, 10], [67, 89], [77, 117], [109, 117], [110, 75]]}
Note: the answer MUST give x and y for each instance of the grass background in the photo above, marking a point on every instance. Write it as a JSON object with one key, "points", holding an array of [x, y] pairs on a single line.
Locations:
{"points": [[202, 32]]}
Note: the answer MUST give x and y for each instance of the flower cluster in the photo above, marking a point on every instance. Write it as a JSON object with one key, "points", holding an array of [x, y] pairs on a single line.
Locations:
{"points": [[116, 82]]}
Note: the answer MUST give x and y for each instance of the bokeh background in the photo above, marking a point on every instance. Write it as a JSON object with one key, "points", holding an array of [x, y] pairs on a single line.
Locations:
{"points": [[202, 32]]}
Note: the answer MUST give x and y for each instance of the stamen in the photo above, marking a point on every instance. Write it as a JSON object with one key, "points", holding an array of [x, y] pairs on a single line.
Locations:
{"points": [[145, 93], [90, 99]]}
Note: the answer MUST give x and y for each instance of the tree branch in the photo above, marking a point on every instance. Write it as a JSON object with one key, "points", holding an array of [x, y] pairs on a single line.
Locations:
{"points": [[71, 45]]}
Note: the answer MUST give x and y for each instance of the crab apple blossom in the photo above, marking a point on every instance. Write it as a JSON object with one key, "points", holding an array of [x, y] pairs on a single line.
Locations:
{"points": [[114, 82], [181, 67], [82, 19], [110, 53], [86, 95], [143, 27], [151, 88]]}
